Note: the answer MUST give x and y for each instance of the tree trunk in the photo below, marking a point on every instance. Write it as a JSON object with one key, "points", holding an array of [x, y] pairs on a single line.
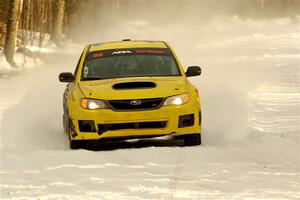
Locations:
{"points": [[73, 9], [11, 33], [25, 21], [57, 25], [42, 23], [31, 20]]}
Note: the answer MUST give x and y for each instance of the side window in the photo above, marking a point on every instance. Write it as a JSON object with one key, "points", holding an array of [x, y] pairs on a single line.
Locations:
{"points": [[77, 66]]}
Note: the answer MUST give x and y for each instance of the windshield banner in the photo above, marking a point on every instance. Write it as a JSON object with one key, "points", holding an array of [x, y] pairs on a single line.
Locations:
{"points": [[122, 52]]}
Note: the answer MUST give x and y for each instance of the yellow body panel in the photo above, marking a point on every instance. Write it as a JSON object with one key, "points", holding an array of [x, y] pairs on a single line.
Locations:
{"points": [[127, 44], [166, 86], [102, 89]]}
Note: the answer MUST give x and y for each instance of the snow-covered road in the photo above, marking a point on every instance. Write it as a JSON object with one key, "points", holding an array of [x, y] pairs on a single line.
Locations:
{"points": [[250, 93]]}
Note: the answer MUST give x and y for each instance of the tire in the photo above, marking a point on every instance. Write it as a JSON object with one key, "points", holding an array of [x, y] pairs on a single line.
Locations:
{"points": [[75, 144], [192, 139]]}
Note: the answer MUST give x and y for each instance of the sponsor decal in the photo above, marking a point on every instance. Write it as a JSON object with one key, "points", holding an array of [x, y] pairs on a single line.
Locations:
{"points": [[96, 55], [121, 52], [150, 51]]}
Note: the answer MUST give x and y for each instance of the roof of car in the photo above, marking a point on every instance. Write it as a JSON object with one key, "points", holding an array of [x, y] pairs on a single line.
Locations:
{"points": [[127, 44]]}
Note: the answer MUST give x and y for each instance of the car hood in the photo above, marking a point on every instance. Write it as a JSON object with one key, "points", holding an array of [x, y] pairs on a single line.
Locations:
{"points": [[107, 90]]}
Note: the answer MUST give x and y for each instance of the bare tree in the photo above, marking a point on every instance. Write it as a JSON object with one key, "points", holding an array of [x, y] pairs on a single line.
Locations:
{"points": [[57, 24], [11, 33], [72, 16], [42, 23], [25, 22]]}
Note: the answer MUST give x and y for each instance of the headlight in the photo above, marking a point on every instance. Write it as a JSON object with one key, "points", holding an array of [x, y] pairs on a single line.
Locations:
{"points": [[92, 104], [177, 100]]}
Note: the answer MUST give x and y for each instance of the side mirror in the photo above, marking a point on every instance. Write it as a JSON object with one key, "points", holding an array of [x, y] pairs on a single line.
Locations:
{"points": [[66, 77], [193, 71]]}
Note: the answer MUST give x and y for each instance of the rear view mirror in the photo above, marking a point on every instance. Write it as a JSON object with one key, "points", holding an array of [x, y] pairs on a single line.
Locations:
{"points": [[66, 77], [193, 71]]}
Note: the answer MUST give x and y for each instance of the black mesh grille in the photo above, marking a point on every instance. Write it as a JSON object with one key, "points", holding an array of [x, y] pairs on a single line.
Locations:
{"points": [[132, 125], [136, 104]]}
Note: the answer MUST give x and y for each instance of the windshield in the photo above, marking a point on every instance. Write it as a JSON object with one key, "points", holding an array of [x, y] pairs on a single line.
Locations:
{"points": [[121, 63]]}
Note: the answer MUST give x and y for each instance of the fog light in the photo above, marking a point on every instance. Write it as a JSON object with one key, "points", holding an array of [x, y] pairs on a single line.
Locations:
{"points": [[86, 126], [186, 120]]}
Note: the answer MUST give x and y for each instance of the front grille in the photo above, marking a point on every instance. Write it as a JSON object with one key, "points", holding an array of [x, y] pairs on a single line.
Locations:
{"points": [[128, 104], [132, 125]]}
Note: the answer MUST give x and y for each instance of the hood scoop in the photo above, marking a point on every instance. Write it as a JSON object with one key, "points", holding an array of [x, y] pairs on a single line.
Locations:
{"points": [[134, 85]]}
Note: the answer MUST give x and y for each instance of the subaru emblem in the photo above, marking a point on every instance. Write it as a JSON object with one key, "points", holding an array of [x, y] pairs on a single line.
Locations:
{"points": [[135, 102]]}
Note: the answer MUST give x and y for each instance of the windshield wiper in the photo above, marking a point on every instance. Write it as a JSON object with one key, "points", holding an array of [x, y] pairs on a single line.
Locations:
{"points": [[90, 79]]}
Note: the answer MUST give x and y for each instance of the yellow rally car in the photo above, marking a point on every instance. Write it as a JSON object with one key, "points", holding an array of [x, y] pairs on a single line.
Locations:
{"points": [[130, 90]]}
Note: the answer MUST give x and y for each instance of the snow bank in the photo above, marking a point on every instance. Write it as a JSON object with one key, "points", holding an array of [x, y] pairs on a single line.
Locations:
{"points": [[42, 56], [23, 63]]}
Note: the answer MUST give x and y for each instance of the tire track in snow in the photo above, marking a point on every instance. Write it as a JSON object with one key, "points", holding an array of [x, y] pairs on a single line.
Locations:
{"points": [[275, 108]]}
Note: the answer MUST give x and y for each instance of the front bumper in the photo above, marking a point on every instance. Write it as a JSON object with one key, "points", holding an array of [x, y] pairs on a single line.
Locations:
{"points": [[136, 124]]}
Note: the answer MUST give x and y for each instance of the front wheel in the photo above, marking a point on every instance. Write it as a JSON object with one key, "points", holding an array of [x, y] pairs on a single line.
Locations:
{"points": [[75, 144], [192, 139]]}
